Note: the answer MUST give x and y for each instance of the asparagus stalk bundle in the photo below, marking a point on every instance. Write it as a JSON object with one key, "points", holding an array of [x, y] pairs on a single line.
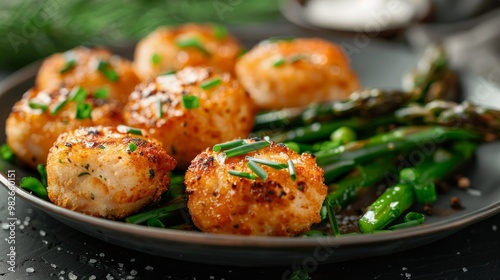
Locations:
{"points": [[352, 166], [398, 140], [345, 191], [452, 114], [432, 79]]}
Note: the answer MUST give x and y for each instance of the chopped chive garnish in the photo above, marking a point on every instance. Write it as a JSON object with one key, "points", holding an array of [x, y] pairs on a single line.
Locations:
{"points": [[275, 165], [299, 274], [58, 107], [70, 64], [6, 153], [159, 109], [243, 174], [34, 185], [83, 111], [220, 32], [228, 145], [102, 147], [295, 58], [169, 210], [78, 94], [291, 170], [412, 219], [414, 216], [192, 43], [154, 222], [101, 93], [279, 39], [35, 105], [245, 149], [190, 101], [132, 146], [242, 52], [170, 72], [333, 219], [279, 62], [128, 129], [211, 83], [156, 58], [257, 170], [107, 71], [83, 174]]}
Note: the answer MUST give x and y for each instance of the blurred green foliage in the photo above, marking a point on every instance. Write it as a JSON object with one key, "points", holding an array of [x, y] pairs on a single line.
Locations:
{"points": [[32, 29]]}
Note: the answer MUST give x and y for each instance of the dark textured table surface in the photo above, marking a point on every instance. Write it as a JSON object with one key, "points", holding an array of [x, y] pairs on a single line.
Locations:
{"points": [[48, 249]]}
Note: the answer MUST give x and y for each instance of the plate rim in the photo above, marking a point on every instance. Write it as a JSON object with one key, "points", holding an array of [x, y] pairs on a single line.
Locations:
{"points": [[227, 240], [201, 238]]}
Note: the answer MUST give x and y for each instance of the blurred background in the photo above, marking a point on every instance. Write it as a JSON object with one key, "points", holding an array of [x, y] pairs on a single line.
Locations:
{"points": [[33, 29]]}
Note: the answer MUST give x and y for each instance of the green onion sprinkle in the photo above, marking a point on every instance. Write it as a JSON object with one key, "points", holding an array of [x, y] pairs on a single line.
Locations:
{"points": [[107, 71], [58, 107], [228, 145], [83, 111], [210, 83], [245, 149], [190, 101], [291, 170], [275, 165], [128, 129], [159, 108], [35, 105], [132, 147], [243, 174], [101, 93], [78, 94], [155, 59], [257, 169], [70, 64], [192, 43]]}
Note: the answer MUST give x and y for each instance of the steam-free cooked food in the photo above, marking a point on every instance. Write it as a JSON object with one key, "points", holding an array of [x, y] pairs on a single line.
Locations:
{"points": [[296, 72], [41, 115], [284, 203], [191, 110], [107, 172]]}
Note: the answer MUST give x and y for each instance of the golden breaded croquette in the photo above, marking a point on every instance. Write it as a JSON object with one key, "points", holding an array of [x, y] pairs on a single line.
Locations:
{"points": [[174, 48], [278, 205], [91, 69], [295, 73], [191, 110], [40, 116], [107, 172]]}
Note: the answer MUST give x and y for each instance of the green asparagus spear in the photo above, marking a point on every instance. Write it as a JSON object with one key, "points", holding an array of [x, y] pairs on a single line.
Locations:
{"points": [[169, 210], [320, 131], [366, 102], [432, 79], [392, 203], [449, 113], [343, 192], [401, 139], [363, 103], [429, 81], [395, 200], [335, 170], [279, 119]]}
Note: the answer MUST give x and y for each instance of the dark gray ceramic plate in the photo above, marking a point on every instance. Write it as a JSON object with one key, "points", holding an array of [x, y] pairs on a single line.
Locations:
{"points": [[379, 65]]}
